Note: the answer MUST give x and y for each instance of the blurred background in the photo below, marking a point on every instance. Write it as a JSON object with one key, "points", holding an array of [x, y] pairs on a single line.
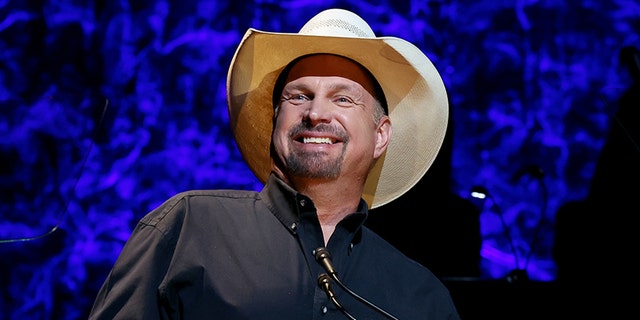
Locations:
{"points": [[107, 108]]}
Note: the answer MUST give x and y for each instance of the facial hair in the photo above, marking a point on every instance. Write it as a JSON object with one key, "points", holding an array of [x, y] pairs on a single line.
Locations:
{"points": [[316, 164]]}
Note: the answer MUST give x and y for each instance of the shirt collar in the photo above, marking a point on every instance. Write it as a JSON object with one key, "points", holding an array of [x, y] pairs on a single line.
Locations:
{"points": [[284, 202]]}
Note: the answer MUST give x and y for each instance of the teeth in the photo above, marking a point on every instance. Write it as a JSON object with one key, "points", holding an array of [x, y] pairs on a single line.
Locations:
{"points": [[317, 140]]}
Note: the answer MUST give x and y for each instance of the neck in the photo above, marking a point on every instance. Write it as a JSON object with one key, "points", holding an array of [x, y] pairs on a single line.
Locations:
{"points": [[334, 199]]}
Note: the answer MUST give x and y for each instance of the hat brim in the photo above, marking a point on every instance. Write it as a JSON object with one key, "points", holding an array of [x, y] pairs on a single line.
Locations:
{"points": [[415, 94]]}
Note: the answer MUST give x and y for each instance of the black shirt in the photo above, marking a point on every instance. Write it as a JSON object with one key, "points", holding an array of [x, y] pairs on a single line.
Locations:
{"points": [[227, 254]]}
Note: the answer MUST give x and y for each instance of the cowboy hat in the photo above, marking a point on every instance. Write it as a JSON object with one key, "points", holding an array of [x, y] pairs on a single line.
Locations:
{"points": [[415, 94]]}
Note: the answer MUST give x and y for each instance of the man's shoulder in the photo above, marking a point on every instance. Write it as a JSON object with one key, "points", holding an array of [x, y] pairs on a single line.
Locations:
{"points": [[214, 195], [201, 202], [210, 199]]}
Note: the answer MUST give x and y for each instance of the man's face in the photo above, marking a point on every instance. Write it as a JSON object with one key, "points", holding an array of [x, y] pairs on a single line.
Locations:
{"points": [[325, 128]]}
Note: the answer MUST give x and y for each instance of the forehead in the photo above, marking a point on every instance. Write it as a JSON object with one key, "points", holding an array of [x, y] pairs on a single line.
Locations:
{"points": [[327, 65], [332, 83]]}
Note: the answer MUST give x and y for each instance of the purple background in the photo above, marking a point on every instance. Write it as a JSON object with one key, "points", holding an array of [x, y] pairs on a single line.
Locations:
{"points": [[107, 108]]}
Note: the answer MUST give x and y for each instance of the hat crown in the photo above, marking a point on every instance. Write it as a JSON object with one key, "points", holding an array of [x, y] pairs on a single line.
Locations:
{"points": [[337, 23]]}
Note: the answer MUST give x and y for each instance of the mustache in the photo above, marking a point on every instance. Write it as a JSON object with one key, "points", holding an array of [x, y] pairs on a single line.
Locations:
{"points": [[322, 127]]}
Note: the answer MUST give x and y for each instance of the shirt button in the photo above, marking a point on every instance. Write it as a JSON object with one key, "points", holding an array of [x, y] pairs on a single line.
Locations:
{"points": [[324, 310]]}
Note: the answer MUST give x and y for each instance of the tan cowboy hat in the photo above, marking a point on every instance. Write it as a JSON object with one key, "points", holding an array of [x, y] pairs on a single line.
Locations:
{"points": [[415, 94]]}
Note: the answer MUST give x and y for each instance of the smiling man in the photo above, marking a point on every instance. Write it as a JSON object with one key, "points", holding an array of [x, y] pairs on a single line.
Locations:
{"points": [[329, 130], [312, 113]]}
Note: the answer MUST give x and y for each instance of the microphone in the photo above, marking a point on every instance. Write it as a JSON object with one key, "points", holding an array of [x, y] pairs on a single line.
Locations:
{"points": [[323, 257], [325, 283]]}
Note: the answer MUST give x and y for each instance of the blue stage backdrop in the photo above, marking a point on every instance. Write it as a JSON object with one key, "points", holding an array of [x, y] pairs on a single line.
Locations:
{"points": [[107, 108]]}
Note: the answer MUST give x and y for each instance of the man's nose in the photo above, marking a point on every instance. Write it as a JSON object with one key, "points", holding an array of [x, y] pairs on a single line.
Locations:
{"points": [[319, 110]]}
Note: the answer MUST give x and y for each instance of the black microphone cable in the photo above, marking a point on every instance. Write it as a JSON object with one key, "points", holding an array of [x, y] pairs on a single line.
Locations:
{"points": [[324, 258], [73, 189]]}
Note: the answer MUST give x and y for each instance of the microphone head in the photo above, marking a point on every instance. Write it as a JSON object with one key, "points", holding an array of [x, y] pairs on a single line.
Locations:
{"points": [[324, 280], [324, 258], [322, 253]]}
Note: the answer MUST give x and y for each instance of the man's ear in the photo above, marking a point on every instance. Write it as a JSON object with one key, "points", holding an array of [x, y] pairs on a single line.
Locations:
{"points": [[383, 136]]}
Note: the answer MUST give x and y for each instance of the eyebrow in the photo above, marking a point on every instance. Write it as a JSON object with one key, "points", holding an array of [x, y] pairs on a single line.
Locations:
{"points": [[333, 87]]}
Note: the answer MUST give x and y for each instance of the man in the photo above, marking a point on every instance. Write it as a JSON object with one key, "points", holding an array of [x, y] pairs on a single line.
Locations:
{"points": [[312, 114]]}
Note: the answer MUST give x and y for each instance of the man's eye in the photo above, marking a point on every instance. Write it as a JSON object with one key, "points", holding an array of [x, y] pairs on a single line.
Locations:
{"points": [[296, 99], [344, 101]]}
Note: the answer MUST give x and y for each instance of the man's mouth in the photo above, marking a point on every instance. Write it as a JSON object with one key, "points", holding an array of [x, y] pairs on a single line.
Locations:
{"points": [[317, 140]]}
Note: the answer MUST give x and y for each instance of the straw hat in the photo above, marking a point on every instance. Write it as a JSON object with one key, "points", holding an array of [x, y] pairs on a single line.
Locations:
{"points": [[415, 94]]}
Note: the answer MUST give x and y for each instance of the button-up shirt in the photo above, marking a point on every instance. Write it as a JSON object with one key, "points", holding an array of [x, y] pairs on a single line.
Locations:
{"points": [[229, 254]]}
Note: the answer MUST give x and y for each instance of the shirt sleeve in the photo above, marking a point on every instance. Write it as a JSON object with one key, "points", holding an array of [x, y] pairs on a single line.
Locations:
{"points": [[131, 288]]}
